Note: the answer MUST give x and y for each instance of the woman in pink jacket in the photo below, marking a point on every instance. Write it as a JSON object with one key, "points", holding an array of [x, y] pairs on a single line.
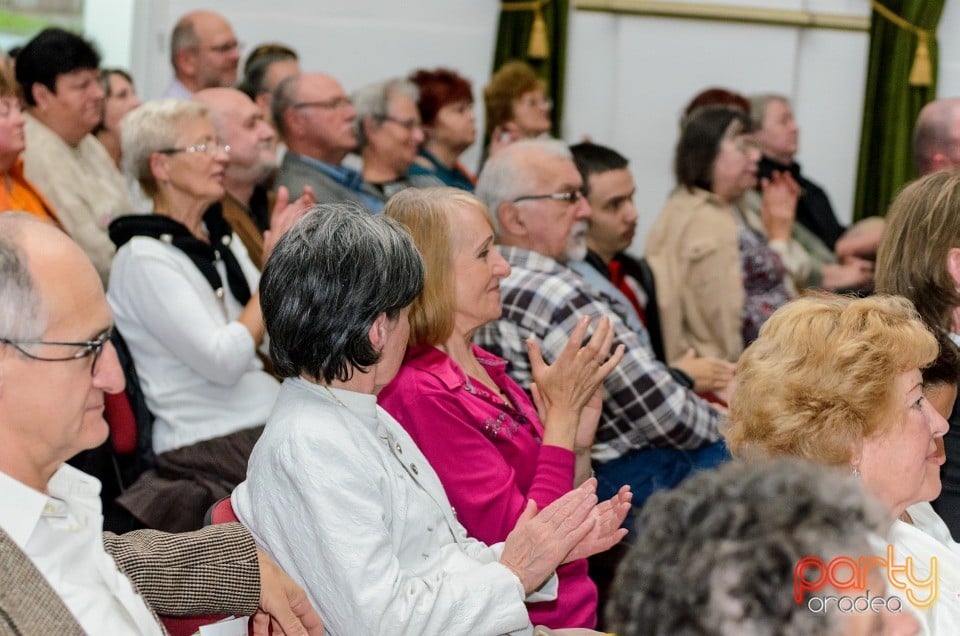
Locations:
{"points": [[477, 427]]}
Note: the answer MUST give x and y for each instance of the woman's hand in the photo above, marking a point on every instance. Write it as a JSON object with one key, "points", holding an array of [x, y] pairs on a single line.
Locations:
{"points": [[501, 137], [607, 532], [541, 541], [779, 208], [562, 390], [709, 374], [285, 215]]}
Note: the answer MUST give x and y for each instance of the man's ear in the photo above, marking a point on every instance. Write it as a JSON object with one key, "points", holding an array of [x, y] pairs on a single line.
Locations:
{"points": [[187, 61], [511, 220]]}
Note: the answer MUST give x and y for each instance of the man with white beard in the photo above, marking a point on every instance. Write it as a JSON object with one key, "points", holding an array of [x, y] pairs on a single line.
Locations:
{"points": [[653, 431], [247, 201]]}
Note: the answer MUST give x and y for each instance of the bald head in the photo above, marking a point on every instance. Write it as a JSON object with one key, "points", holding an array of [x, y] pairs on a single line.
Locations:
{"points": [[240, 124], [936, 136], [315, 117], [48, 280], [204, 51], [36, 259]]}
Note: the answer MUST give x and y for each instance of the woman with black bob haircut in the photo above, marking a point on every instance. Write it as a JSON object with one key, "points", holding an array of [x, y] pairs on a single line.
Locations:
{"points": [[340, 494]]}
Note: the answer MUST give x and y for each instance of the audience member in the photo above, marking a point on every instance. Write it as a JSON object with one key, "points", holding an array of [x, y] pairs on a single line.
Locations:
{"points": [[730, 571], [183, 292], [936, 136], [717, 279], [919, 258], [17, 194], [653, 431], [341, 495], [120, 98], [57, 71], [265, 68], [836, 380], [516, 107], [204, 53], [253, 161], [316, 121], [777, 131], [714, 96], [389, 134], [59, 573], [449, 126], [609, 189], [475, 425]]}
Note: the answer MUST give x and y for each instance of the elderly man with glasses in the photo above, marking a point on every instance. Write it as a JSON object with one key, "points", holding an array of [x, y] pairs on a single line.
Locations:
{"points": [[389, 134], [59, 573], [204, 53], [653, 431], [316, 121]]}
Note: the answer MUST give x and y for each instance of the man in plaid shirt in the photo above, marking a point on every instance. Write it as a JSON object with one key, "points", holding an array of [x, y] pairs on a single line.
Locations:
{"points": [[653, 431]]}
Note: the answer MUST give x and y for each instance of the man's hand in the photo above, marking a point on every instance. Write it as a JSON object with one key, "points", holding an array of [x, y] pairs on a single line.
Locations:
{"points": [[853, 273], [284, 606], [285, 215], [709, 374]]}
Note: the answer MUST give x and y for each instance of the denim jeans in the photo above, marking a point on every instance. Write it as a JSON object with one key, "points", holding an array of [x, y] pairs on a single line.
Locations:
{"points": [[651, 469]]}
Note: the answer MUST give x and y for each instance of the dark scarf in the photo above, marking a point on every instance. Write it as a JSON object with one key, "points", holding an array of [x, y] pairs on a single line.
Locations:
{"points": [[204, 255]]}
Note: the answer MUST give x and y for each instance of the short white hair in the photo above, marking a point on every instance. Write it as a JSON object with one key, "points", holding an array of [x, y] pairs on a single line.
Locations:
{"points": [[151, 128], [507, 175]]}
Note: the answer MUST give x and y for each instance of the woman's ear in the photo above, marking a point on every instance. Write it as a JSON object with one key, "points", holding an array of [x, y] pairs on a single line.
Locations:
{"points": [[158, 167], [378, 332], [953, 265]]}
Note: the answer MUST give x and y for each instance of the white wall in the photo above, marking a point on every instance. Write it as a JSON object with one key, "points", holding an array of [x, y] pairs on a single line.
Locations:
{"points": [[628, 76], [357, 41]]}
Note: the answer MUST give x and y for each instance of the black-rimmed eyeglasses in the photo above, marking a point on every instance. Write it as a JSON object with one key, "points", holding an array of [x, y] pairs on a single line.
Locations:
{"points": [[84, 348], [570, 197]]}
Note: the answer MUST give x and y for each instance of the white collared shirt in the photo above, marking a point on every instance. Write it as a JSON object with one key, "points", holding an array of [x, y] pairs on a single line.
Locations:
{"points": [[61, 533]]}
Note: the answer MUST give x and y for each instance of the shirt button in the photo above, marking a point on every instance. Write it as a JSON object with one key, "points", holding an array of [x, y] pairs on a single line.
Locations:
{"points": [[49, 509], [413, 467], [399, 450]]}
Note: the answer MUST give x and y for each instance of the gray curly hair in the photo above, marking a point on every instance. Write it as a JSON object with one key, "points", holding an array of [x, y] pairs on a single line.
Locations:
{"points": [[717, 554]]}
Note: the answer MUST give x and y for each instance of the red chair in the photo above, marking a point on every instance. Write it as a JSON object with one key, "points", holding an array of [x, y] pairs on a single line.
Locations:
{"points": [[220, 512]]}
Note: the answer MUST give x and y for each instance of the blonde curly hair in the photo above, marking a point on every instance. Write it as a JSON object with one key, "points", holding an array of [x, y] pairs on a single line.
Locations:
{"points": [[818, 379]]}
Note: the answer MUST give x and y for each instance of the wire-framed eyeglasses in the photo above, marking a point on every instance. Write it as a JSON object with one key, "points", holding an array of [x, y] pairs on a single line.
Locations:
{"points": [[84, 348]]}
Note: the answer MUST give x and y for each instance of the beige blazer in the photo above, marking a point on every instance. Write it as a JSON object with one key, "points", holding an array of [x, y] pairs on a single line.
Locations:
{"points": [[695, 257]]}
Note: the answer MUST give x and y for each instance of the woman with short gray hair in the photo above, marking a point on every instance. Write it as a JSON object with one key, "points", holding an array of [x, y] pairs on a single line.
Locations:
{"points": [[340, 494], [183, 292]]}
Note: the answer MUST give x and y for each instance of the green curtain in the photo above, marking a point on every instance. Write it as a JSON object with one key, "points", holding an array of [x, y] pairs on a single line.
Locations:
{"points": [[513, 38], [891, 105]]}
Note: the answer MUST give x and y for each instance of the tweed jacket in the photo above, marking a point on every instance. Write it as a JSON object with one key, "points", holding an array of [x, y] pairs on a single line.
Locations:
{"points": [[237, 214], [214, 570], [295, 173]]}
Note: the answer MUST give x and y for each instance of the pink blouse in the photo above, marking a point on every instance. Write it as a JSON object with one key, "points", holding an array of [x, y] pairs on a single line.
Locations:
{"points": [[490, 459]]}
